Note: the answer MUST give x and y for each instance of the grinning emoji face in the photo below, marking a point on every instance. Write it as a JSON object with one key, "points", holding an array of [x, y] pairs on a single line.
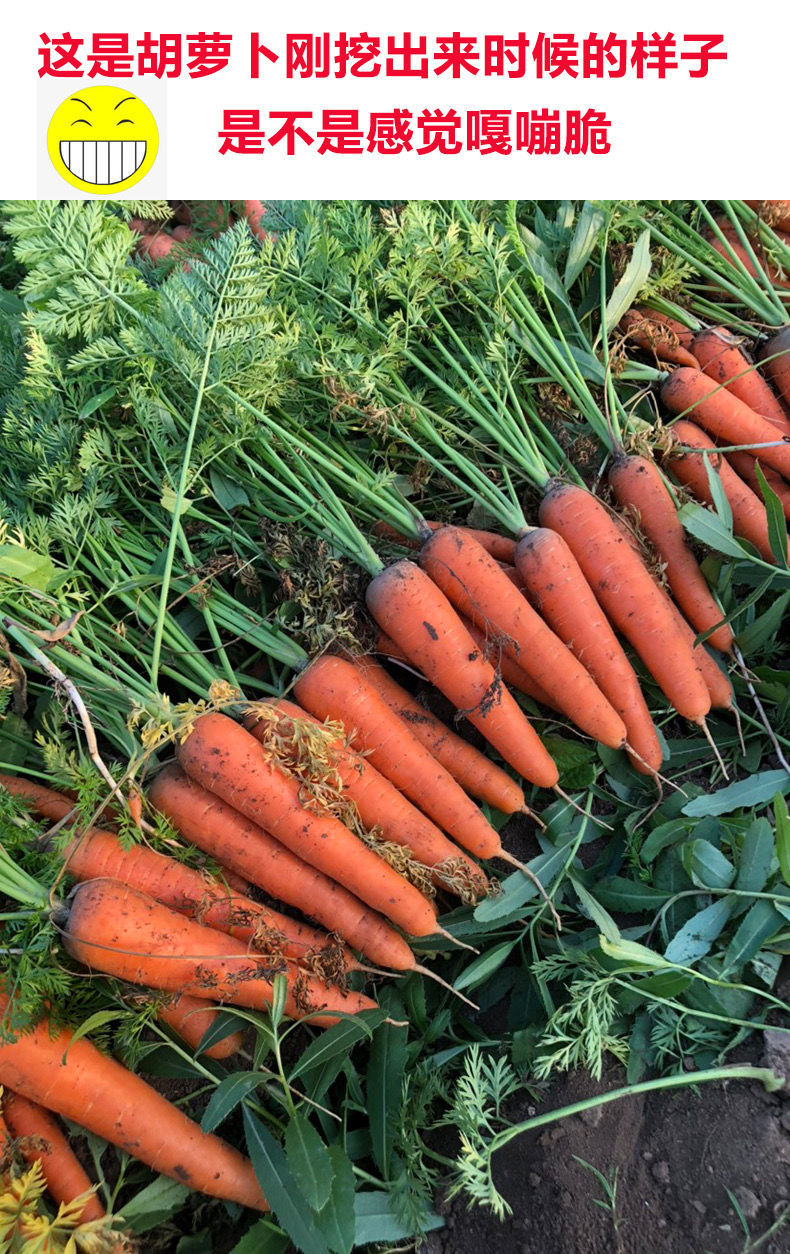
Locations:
{"points": [[102, 139]]}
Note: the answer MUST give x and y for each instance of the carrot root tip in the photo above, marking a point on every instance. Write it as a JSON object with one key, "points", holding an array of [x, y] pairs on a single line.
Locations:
{"points": [[431, 975]]}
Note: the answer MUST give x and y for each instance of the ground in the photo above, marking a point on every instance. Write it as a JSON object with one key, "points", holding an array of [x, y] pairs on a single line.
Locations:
{"points": [[676, 1155]]}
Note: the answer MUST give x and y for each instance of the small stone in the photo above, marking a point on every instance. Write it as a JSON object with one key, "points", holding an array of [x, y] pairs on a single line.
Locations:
{"points": [[776, 1055], [660, 1172], [535, 1181], [699, 1206], [567, 1198], [592, 1117], [748, 1201], [725, 1227], [662, 1223], [647, 1155]]}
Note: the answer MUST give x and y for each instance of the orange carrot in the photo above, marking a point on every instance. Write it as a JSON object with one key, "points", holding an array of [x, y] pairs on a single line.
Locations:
{"points": [[692, 394], [471, 768], [43, 1141], [734, 245], [722, 360], [655, 333], [378, 803], [745, 466], [480, 590], [513, 675], [72, 1078], [332, 688], [212, 825], [416, 613], [190, 1018], [227, 760], [156, 247], [775, 358], [637, 484], [500, 547], [96, 854], [624, 587], [561, 594], [253, 211], [749, 518], [112, 928], [776, 213]]}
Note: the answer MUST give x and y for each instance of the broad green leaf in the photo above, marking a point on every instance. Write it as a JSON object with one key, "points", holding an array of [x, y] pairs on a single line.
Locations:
{"points": [[223, 1026], [226, 1097], [630, 285], [765, 627], [777, 526], [754, 863], [337, 1220], [584, 240], [154, 1204], [375, 1222], [518, 888], [279, 1188], [16, 738], [616, 892], [631, 952], [229, 495], [336, 1041], [32, 569], [707, 865], [262, 1238], [99, 1019], [782, 821], [662, 984], [756, 927], [96, 402], [484, 965], [575, 762], [600, 917], [754, 791], [662, 837], [383, 1087], [696, 937], [707, 527], [720, 502], [308, 1161], [279, 998]]}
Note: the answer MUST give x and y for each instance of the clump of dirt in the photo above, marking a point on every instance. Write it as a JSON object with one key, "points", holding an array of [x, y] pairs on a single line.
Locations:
{"points": [[675, 1153]]}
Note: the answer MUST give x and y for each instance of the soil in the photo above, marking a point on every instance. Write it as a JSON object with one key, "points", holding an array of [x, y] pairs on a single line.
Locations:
{"points": [[676, 1154]]}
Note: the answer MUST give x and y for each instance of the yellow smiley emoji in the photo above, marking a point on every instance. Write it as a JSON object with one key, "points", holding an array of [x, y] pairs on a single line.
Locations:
{"points": [[102, 139]]}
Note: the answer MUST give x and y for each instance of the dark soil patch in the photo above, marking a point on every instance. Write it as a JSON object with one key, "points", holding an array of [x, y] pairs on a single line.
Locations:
{"points": [[676, 1154]]}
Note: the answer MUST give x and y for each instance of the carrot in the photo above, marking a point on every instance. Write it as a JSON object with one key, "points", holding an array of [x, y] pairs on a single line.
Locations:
{"points": [[71, 1077], [776, 213], [637, 484], [182, 233], [253, 211], [43, 1141], [479, 589], [96, 854], [156, 247], [733, 243], [655, 333], [332, 688], [624, 587], [379, 804], [749, 518], [212, 825], [722, 360], [775, 358], [513, 675], [691, 393], [745, 466], [115, 929], [190, 1018], [500, 547], [471, 768], [227, 760], [560, 592]]}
